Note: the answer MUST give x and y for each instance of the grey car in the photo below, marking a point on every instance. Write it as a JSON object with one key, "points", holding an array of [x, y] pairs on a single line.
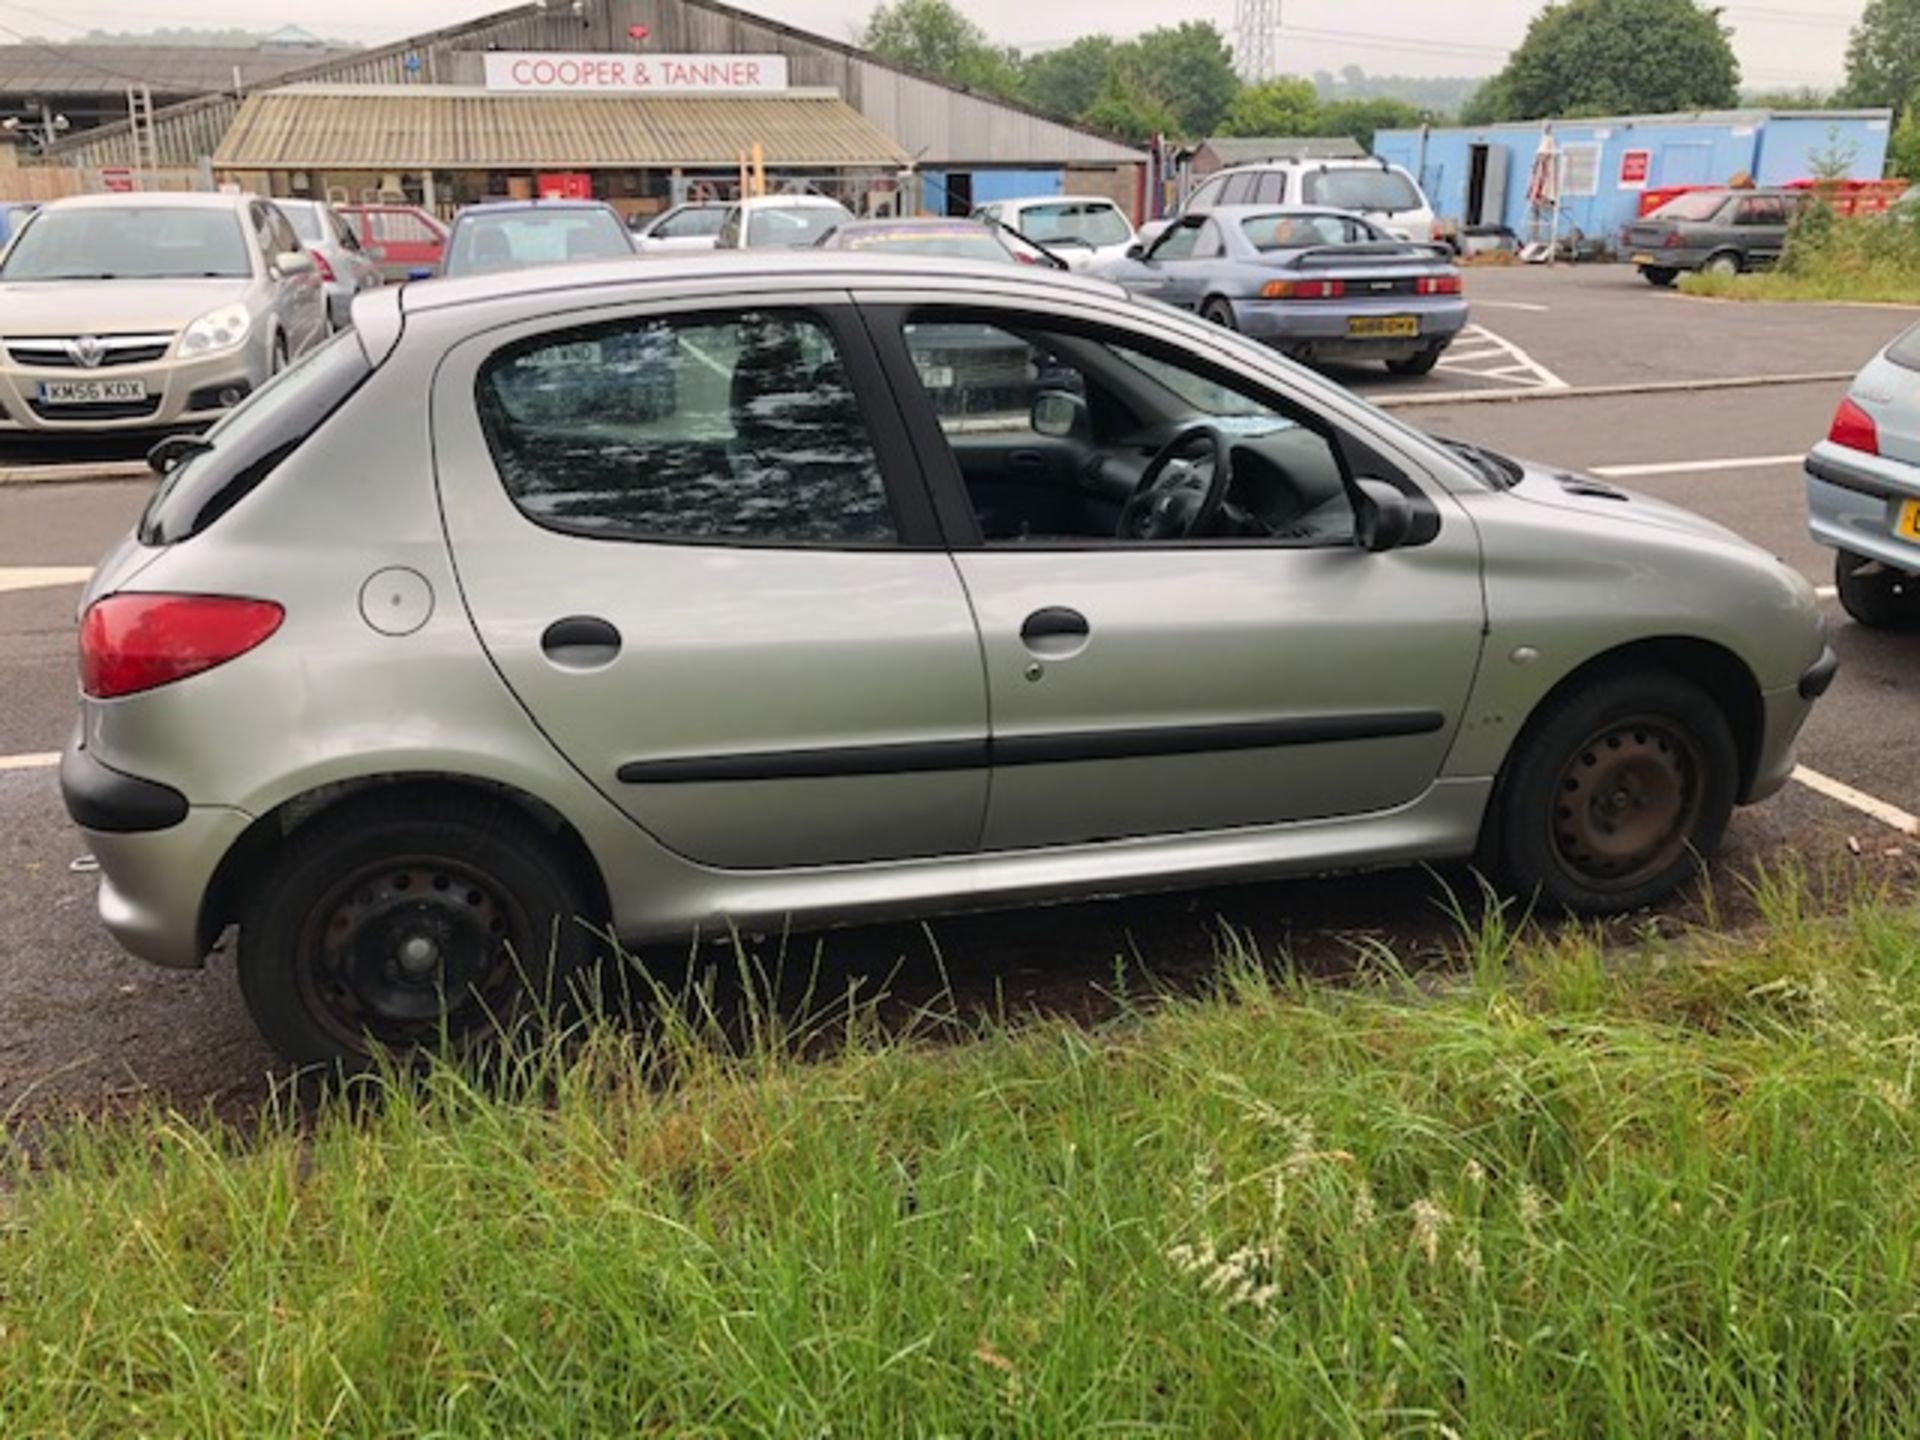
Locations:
{"points": [[1318, 284], [345, 267], [449, 655], [1863, 489], [1721, 232]]}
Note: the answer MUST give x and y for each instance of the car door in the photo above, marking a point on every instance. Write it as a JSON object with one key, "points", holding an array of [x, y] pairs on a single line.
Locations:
{"points": [[1190, 277], [693, 540], [299, 300], [1153, 274], [360, 265], [1760, 225], [1145, 688]]}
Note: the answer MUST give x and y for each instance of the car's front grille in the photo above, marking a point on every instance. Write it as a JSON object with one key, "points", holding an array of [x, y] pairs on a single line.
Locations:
{"points": [[105, 410], [72, 352]]}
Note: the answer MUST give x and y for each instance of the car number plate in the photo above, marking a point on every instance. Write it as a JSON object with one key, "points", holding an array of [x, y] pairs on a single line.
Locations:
{"points": [[91, 392], [1642, 257], [1907, 523], [1388, 325], [561, 357], [937, 377]]}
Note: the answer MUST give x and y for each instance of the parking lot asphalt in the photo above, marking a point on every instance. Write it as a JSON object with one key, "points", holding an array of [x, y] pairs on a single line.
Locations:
{"points": [[82, 1025]]}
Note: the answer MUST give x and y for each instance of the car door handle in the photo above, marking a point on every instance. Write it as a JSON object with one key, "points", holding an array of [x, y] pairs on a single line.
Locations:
{"points": [[580, 642], [1055, 632], [1028, 461]]}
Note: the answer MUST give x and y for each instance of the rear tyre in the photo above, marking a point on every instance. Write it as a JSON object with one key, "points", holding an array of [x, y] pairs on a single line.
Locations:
{"points": [[1419, 363], [1617, 793], [388, 927], [1659, 276], [1877, 596], [1724, 264], [1219, 312]]}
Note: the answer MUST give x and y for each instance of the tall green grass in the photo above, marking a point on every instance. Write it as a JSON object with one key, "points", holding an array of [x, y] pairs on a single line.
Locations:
{"points": [[1557, 1190], [1868, 258]]}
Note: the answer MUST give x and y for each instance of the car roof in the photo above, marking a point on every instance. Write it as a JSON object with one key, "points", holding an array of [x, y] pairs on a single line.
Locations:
{"points": [[496, 207], [1313, 162], [919, 222], [155, 199], [750, 202], [1025, 201], [840, 267], [1243, 211]]}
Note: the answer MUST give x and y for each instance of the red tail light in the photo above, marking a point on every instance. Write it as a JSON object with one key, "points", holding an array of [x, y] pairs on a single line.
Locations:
{"points": [[1673, 241], [1854, 428], [1304, 289], [131, 643], [1438, 285], [320, 264]]}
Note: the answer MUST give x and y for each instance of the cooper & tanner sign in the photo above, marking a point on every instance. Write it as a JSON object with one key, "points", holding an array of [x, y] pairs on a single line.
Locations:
{"points": [[609, 74]]}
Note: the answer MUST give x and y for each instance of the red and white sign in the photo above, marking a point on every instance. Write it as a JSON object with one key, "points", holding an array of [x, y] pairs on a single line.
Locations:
{"points": [[609, 74], [1635, 166], [117, 180]]}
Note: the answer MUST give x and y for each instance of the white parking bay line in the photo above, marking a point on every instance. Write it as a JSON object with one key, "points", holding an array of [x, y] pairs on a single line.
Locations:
{"points": [[1889, 815], [43, 761], [1509, 305], [1483, 355], [1699, 467], [41, 577]]}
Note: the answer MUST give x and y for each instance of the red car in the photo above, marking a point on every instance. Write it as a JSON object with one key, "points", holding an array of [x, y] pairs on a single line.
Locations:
{"points": [[408, 241]]}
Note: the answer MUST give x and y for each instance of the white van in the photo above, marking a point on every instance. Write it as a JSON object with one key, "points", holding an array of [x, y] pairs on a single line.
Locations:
{"points": [[1385, 194]]}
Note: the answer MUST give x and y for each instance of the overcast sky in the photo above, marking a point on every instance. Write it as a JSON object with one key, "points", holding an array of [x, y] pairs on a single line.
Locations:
{"points": [[1780, 42]]}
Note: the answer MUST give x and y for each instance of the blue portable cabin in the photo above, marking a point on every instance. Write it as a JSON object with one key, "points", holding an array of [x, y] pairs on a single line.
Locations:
{"points": [[1479, 176]]}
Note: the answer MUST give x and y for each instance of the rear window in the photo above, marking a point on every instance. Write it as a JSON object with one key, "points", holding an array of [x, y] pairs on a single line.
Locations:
{"points": [[306, 223], [1906, 350], [972, 243], [1284, 231], [251, 440], [690, 224], [1691, 207], [800, 225], [514, 240], [1091, 222], [1361, 187]]}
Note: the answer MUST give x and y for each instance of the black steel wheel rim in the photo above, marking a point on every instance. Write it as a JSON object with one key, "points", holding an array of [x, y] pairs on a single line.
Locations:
{"points": [[1626, 803]]}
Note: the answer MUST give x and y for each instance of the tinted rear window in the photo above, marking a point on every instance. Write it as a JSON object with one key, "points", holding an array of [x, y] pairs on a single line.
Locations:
{"points": [[1691, 207], [1906, 350], [1361, 188], [252, 440]]}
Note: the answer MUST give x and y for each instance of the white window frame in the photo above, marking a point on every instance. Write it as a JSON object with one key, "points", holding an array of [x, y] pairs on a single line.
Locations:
{"points": [[1587, 154]]}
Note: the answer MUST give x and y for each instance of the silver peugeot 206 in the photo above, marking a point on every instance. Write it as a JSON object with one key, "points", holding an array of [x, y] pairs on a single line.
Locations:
{"points": [[653, 600]]}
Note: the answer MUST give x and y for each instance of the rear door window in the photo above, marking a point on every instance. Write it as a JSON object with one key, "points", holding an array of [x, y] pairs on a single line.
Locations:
{"points": [[1906, 350], [1271, 189], [1238, 190], [251, 441], [737, 427]]}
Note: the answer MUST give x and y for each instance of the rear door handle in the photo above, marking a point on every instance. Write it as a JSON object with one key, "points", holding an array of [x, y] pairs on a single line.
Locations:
{"points": [[580, 642], [1055, 632]]}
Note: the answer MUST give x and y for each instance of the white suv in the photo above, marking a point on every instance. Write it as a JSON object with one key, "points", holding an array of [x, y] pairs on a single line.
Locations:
{"points": [[1385, 194]]}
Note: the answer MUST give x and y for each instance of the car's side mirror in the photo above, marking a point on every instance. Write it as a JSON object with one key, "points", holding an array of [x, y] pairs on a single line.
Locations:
{"points": [[1059, 415], [1383, 520], [1136, 251], [294, 262]]}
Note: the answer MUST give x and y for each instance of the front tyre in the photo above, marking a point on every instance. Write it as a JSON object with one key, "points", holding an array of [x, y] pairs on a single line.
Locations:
{"points": [[1618, 792], [390, 927], [1878, 596]]}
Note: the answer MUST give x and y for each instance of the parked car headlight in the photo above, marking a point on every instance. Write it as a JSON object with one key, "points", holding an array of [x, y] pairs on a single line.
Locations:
{"points": [[217, 330]]}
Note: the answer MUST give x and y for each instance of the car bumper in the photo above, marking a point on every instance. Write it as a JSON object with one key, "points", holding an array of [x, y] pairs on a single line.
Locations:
{"points": [[1854, 500], [157, 855], [179, 393], [1325, 327]]}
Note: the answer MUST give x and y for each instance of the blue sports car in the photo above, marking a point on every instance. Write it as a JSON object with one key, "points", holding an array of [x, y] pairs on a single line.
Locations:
{"points": [[1317, 284]]}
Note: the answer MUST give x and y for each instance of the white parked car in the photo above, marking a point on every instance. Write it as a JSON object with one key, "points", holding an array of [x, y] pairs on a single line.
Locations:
{"points": [[762, 222], [693, 226], [1083, 230], [1385, 194]]}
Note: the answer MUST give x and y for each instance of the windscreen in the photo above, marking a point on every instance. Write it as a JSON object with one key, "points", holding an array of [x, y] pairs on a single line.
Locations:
{"points": [[1070, 220], [1699, 206], [515, 240], [801, 225], [1361, 187], [305, 222], [133, 242], [690, 224]]}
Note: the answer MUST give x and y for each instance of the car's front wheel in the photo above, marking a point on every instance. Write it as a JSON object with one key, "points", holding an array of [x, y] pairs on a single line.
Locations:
{"points": [[1619, 790], [396, 926], [1879, 596]]}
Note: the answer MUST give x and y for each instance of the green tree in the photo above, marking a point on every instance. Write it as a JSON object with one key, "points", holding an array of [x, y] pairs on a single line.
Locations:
{"points": [[1188, 70], [1600, 57], [934, 37], [1362, 118], [1903, 147], [1126, 106], [1883, 54], [1067, 81], [1284, 106]]}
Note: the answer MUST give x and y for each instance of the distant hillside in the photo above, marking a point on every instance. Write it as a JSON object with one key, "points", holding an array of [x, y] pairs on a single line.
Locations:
{"points": [[1443, 94]]}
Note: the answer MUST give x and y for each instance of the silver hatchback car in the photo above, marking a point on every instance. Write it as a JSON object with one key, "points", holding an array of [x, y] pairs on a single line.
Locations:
{"points": [[726, 592]]}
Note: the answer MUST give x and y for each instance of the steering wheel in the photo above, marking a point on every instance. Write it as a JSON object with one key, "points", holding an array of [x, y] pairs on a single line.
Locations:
{"points": [[1177, 497]]}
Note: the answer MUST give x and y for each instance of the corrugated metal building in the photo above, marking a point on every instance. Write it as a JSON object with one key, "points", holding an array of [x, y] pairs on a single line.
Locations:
{"points": [[1480, 176], [939, 128]]}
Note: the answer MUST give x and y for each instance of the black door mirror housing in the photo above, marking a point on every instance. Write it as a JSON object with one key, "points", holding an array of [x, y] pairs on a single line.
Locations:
{"points": [[1136, 251], [1383, 519]]}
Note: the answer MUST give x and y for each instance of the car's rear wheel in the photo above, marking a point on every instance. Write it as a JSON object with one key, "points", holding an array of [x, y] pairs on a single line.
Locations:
{"points": [[1421, 362], [1882, 597], [393, 927], [1660, 276], [1725, 263], [1618, 792], [1219, 312]]}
